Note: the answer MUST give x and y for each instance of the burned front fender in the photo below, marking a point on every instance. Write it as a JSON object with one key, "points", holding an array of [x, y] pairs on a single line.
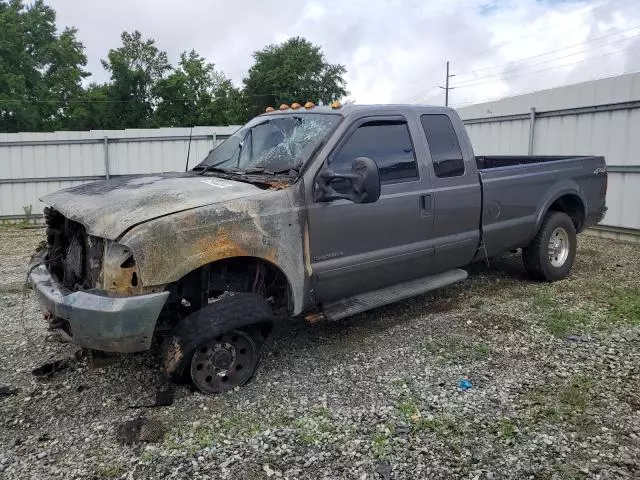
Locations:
{"points": [[268, 226]]}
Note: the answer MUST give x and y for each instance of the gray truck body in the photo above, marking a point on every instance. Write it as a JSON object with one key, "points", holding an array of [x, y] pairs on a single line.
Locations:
{"points": [[329, 252]]}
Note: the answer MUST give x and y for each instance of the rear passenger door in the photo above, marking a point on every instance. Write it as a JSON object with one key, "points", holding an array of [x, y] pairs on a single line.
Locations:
{"points": [[360, 247], [456, 192]]}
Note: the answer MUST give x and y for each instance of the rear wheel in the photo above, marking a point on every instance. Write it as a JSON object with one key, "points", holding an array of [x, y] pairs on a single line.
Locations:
{"points": [[552, 252]]}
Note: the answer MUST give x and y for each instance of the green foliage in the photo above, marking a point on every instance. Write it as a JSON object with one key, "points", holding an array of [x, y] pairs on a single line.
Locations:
{"points": [[42, 88], [294, 71], [40, 70], [196, 94]]}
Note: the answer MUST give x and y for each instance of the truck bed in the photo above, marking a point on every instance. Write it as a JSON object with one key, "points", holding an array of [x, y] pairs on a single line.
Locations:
{"points": [[497, 161], [516, 189]]}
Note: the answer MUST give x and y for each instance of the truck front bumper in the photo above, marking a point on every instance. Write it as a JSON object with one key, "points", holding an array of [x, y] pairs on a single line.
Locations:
{"points": [[96, 319]]}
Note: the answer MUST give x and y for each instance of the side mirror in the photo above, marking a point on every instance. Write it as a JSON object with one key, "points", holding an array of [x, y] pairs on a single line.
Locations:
{"points": [[365, 183]]}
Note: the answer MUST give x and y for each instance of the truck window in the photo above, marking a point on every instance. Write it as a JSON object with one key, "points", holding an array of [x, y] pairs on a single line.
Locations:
{"points": [[387, 143], [444, 146]]}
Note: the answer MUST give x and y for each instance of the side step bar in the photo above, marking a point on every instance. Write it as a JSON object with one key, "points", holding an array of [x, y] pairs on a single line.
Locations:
{"points": [[377, 298]]}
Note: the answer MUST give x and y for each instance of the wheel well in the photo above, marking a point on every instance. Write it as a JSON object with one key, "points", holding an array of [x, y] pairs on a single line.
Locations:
{"points": [[238, 274], [572, 206]]}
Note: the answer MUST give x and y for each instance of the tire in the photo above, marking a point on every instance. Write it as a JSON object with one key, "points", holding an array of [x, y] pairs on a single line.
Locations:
{"points": [[240, 312], [538, 259]]}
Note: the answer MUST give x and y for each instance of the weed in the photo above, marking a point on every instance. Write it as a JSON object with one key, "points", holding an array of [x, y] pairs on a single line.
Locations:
{"points": [[505, 428], [110, 471], [625, 306], [561, 322], [480, 351], [564, 403], [544, 300]]}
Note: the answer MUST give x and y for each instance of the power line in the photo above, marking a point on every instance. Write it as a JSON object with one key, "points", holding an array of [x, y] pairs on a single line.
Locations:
{"points": [[495, 47], [421, 93], [560, 50], [543, 70], [473, 81]]}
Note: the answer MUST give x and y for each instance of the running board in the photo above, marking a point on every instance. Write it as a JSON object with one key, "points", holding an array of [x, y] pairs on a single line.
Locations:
{"points": [[377, 298]]}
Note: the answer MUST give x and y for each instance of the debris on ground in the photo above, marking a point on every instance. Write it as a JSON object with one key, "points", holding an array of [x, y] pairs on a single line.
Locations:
{"points": [[51, 368], [464, 384], [384, 470], [6, 391], [141, 429]]}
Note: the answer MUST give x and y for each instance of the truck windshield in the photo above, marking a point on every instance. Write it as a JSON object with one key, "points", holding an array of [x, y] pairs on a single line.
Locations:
{"points": [[277, 144]]}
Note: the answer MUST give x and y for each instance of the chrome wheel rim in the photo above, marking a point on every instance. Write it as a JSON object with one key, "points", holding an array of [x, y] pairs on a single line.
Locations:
{"points": [[224, 363], [558, 247]]}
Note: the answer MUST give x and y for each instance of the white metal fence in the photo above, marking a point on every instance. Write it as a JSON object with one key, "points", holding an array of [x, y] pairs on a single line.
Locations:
{"points": [[600, 117], [33, 164]]}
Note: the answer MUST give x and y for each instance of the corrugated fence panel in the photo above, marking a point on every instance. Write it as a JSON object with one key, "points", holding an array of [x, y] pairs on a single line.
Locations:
{"points": [[507, 138], [34, 164]]}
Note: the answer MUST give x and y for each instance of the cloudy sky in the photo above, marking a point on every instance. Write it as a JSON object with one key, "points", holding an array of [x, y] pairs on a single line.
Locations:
{"points": [[394, 50]]}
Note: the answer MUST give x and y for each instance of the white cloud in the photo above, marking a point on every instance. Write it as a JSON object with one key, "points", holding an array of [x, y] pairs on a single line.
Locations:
{"points": [[394, 50]]}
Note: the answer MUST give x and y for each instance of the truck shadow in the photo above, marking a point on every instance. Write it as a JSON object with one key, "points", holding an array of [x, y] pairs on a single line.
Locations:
{"points": [[486, 282]]}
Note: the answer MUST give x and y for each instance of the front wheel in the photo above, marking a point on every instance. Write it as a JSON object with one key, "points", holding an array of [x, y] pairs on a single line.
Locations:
{"points": [[552, 252], [219, 346]]}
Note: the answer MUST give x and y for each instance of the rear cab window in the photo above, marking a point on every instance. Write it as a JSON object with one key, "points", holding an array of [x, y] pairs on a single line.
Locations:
{"points": [[446, 154]]}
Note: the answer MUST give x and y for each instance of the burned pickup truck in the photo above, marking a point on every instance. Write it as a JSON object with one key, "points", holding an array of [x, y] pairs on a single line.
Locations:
{"points": [[319, 212]]}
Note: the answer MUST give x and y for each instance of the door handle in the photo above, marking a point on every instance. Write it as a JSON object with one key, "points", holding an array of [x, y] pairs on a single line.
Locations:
{"points": [[425, 205]]}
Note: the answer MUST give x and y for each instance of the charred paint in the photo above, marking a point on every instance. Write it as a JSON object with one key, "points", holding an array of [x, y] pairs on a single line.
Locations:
{"points": [[267, 226], [108, 208]]}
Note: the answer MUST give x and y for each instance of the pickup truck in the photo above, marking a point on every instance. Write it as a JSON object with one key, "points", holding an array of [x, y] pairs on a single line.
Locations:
{"points": [[319, 212]]}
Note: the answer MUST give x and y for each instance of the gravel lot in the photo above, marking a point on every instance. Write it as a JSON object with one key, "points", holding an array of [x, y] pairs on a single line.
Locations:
{"points": [[555, 371]]}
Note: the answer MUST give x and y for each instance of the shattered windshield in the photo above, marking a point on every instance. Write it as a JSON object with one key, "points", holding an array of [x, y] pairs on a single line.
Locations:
{"points": [[277, 144]]}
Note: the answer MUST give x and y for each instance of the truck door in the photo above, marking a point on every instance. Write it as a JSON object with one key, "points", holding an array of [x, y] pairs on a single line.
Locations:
{"points": [[359, 247], [457, 195]]}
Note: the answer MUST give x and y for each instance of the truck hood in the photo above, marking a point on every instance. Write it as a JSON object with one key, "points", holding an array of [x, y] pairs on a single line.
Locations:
{"points": [[109, 208]]}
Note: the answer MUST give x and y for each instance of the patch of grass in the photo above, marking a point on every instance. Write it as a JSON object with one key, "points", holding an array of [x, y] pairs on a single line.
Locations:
{"points": [[625, 306], [381, 439], [567, 402], [569, 472], [454, 348], [505, 428], [544, 300], [110, 471], [480, 351], [147, 456], [562, 322], [204, 436], [440, 425], [314, 426]]}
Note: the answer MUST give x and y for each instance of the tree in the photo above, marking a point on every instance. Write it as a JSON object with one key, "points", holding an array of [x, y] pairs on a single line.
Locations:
{"points": [[40, 71], [295, 70], [135, 68]]}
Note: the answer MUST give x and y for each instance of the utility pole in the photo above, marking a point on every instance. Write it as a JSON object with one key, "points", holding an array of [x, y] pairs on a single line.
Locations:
{"points": [[446, 88]]}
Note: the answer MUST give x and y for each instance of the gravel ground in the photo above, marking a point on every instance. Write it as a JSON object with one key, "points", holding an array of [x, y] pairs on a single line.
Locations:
{"points": [[554, 372]]}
